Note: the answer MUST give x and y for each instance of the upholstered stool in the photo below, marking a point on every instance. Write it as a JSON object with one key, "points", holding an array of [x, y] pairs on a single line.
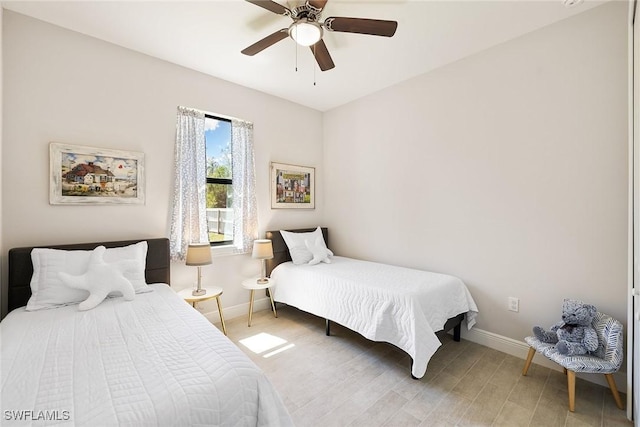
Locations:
{"points": [[606, 360]]}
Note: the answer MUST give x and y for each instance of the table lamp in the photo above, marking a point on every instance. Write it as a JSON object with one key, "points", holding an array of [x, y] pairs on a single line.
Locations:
{"points": [[199, 254], [263, 250]]}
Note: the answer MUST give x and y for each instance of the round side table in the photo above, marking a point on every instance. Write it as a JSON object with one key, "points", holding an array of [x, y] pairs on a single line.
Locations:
{"points": [[253, 285], [212, 292]]}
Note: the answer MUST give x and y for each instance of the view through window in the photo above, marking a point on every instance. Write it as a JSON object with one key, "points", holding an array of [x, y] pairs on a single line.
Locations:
{"points": [[219, 180]]}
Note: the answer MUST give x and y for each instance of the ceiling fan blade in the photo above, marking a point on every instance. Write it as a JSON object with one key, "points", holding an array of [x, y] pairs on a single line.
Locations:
{"points": [[271, 39], [374, 27], [322, 55], [318, 4], [271, 6]]}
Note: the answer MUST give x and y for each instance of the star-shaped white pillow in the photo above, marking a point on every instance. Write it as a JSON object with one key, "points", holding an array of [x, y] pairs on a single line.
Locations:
{"points": [[99, 280], [319, 251]]}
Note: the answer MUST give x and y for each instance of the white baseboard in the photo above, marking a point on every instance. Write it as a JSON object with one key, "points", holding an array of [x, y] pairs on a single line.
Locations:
{"points": [[520, 349]]}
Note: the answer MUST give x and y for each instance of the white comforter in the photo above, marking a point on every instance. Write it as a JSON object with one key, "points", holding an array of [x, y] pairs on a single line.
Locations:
{"points": [[401, 306], [151, 361]]}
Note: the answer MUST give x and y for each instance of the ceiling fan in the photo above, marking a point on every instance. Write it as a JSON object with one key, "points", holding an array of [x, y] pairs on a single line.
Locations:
{"points": [[307, 30]]}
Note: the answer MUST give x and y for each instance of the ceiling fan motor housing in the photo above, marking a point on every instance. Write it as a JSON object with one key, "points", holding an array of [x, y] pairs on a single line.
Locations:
{"points": [[306, 11]]}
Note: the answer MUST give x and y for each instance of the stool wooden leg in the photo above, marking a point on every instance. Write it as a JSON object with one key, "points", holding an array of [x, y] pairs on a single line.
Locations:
{"points": [[571, 385], [275, 314], [614, 390], [251, 306], [224, 328], [532, 352]]}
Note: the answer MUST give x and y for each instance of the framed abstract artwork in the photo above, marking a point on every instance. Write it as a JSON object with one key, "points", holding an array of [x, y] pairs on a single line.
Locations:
{"points": [[83, 175], [292, 186]]}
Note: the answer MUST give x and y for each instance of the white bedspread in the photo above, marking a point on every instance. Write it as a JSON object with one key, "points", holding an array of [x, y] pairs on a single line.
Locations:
{"points": [[152, 361], [401, 306]]}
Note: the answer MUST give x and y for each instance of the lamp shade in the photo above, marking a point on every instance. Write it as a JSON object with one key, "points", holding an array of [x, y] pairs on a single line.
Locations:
{"points": [[262, 249], [199, 254], [305, 32]]}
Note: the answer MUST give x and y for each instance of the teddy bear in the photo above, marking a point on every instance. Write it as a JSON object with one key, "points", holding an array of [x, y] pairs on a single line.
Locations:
{"points": [[574, 335]]}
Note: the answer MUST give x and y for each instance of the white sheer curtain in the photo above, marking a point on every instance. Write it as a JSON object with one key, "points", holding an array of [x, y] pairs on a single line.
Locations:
{"points": [[245, 212], [189, 218]]}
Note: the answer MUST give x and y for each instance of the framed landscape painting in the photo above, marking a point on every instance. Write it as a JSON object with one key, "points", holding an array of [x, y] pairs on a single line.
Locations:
{"points": [[89, 175], [292, 186]]}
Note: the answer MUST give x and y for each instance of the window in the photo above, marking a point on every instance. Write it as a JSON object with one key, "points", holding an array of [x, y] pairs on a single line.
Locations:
{"points": [[219, 180], [212, 202]]}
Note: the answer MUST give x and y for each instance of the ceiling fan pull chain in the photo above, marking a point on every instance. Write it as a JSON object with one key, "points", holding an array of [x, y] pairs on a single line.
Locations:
{"points": [[314, 65]]}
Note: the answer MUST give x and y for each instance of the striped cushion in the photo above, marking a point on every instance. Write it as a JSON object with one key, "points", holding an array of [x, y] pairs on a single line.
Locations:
{"points": [[605, 360]]}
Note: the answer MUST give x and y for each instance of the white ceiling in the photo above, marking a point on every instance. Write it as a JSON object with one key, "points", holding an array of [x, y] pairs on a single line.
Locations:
{"points": [[208, 36]]}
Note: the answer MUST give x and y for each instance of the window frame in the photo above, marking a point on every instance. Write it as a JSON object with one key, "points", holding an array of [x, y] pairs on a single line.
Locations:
{"points": [[224, 181]]}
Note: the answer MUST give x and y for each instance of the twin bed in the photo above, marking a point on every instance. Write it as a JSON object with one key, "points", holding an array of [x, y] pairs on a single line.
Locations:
{"points": [[151, 361], [156, 361], [402, 306]]}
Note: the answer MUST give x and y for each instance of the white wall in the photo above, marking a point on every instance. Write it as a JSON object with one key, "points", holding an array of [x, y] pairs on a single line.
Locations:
{"points": [[507, 169], [66, 87]]}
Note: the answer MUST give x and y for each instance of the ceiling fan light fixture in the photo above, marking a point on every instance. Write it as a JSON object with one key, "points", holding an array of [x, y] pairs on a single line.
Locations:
{"points": [[305, 32]]}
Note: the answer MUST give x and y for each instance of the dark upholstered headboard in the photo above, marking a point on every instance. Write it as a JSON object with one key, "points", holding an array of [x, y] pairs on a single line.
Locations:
{"points": [[21, 268], [281, 252]]}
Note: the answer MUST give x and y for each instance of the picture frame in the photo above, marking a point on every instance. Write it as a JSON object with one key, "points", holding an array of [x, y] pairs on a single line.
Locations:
{"points": [[292, 186], [82, 175]]}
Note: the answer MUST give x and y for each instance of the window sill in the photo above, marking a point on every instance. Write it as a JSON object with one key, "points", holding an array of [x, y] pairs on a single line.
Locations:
{"points": [[223, 250]]}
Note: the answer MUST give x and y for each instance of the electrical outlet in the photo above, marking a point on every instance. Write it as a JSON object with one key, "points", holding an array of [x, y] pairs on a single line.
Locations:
{"points": [[513, 304]]}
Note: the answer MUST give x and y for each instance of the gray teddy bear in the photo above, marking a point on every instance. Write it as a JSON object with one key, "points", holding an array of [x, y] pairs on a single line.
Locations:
{"points": [[574, 335]]}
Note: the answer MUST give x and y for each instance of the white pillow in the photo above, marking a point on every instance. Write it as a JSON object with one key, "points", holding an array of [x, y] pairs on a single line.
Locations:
{"points": [[296, 242], [319, 251], [132, 261], [48, 290], [99, 280]]}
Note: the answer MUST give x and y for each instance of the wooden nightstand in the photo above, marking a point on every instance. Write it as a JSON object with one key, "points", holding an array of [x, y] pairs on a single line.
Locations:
{"points": [[253, 286], [212, 292]]}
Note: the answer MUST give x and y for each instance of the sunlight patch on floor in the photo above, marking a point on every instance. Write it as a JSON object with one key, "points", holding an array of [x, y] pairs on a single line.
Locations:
{"points": [[279, 350], [262, 342]]}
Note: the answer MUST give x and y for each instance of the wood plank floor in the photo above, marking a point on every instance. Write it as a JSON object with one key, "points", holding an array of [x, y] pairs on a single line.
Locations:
{"points": [[346, 380]]}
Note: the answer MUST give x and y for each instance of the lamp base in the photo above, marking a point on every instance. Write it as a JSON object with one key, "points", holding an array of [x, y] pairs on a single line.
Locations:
{"points": [[262, 281], [198, 292]]}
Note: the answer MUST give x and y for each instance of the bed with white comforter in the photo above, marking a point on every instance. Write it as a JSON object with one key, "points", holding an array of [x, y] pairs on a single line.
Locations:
{"points": [[151, 361], [401, 306]]}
